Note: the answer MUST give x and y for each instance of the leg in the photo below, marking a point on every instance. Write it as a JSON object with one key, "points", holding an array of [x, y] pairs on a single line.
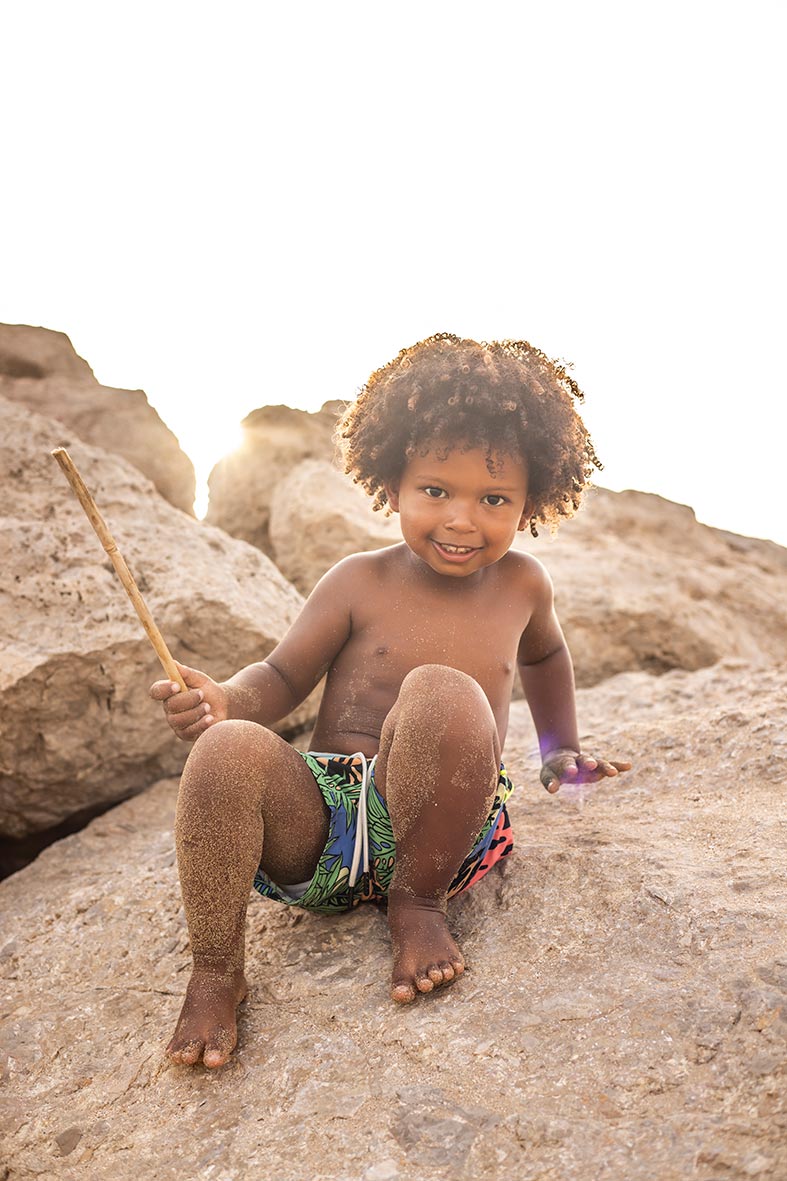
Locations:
{"points": [[438, 769], [243, 789]]}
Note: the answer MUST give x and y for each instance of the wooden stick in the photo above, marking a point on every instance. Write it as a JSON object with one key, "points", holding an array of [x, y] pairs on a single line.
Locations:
{"points": [[118, 561]]}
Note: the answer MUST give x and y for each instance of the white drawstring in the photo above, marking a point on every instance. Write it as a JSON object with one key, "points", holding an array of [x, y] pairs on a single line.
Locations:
{"points": [[361, 846], [361, 833]]}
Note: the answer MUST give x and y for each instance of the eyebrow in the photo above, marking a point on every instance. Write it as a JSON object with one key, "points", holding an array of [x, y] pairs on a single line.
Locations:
{"points": [[488, 487]]}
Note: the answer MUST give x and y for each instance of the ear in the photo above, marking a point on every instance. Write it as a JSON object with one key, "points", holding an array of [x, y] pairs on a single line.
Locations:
{"points": [[392, 492], [527, 513]]}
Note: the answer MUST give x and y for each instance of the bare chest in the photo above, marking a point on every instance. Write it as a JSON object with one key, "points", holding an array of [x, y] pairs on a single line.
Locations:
{"points": [[396, 632]]}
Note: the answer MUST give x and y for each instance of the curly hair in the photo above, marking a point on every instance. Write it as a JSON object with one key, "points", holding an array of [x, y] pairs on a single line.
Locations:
{"points": [[505, 396]]}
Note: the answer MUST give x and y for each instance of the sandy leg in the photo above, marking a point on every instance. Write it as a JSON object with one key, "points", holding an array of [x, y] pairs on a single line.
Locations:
{"points": [[246, 799], [207, 1026], [438, 769]]}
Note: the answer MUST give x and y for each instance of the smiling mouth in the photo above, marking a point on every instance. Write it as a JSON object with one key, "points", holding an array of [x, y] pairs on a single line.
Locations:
{"points": [[456, 549]]}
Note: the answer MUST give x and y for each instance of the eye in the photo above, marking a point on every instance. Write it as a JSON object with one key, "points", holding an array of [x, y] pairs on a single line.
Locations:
{"points": [[494, 500], [434, 493]]}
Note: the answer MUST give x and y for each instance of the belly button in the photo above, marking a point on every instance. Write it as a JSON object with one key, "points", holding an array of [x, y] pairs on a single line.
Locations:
{"points": [[382, 651]]}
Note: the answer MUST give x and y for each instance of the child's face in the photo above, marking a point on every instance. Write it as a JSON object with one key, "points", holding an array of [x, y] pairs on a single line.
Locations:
{"points": [[456, 515]]}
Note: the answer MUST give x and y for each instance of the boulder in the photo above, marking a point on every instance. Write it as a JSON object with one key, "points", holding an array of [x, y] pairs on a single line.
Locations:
{"points": [[623, 1015], [641, 584], [37, 353], [317, 517], [76, 725], [275, 440], [40, 369]]}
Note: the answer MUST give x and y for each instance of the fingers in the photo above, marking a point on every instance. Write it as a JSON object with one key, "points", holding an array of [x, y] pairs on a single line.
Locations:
{"points": [[560, 769], [550, 780], [611, 768], [187, 713], [161, 690], [193, 731], [181, 702], [579, 769]]}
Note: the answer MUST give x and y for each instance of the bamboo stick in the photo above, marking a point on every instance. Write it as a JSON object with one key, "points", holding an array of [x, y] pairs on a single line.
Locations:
{"points": [[126, 577]]}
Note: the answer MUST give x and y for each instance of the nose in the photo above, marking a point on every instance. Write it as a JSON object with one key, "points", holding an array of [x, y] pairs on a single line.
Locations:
{"points": [[459, 518]]}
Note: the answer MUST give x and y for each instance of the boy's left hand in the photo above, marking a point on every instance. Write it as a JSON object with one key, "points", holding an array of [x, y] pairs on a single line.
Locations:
{"points": [[569, 766]]}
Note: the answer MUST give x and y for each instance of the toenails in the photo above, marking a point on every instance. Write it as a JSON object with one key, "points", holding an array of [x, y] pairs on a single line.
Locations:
{"points": [[214, 1058], [186, 1055], [403, 993]]}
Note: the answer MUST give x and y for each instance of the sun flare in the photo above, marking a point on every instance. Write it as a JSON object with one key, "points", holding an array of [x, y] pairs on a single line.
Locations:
{"points": [[205, 443]]}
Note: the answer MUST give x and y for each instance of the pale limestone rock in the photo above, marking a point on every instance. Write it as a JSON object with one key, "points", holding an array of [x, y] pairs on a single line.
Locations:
{"points": [[639, 583], [317, 517], [30, 352], [275, 440], [624, 1008], [40, 369], [76, 725]]}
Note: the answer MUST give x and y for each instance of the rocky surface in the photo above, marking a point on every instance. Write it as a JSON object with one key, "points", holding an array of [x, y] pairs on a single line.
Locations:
{"points": [[625, 1011], [275, 440], [76, 725], [639, 583], [317, 517], [37, 353], [40, 369], [624, 1015]]}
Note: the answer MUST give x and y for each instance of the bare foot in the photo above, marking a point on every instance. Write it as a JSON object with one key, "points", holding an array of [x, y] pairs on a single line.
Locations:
{"points": [[207, 1027], [425, 955]]}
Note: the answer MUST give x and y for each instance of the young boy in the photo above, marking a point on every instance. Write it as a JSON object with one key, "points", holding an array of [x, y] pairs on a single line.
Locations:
{"points": [[468, 443]]}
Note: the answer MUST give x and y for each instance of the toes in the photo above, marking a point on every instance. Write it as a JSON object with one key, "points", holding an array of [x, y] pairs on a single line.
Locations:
{"points": [[218, 1050], [435, 974], [186, 1055], [423, 983], [402, 992], [448, 972], [458, 965], [213, 1058]]}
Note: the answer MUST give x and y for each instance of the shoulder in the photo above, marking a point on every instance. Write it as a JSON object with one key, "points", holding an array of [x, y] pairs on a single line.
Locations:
{"points": [[359, 571], [527, 575]]}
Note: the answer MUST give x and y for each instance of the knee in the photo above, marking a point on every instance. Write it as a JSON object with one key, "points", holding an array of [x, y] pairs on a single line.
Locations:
{"points": [[234, 738], [450, 704], [437, 687], [227, 753]]}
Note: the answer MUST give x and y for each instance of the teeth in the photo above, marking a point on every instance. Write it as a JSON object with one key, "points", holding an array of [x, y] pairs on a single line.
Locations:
{"points": [[456, 549]]}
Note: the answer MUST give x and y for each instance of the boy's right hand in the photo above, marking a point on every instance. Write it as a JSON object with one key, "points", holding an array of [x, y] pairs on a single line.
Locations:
{"points": [[190, 714]]}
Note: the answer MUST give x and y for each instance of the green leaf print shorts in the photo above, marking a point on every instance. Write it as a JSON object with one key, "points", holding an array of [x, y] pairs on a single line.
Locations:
{"points": [[358, 860]]}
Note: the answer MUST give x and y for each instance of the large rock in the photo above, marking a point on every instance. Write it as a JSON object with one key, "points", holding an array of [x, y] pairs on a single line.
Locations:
{"points": [[624, 1015], [639, 583], [275, 440], [40, 369], [76, 725], [317, 517], [28, 352]]}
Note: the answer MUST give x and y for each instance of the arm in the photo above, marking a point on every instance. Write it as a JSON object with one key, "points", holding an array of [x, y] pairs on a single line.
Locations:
{"points": [[547, 676], [267, 691]]}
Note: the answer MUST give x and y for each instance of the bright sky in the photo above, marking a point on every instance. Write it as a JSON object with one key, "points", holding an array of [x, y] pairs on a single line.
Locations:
{"points": [[235, 204]]}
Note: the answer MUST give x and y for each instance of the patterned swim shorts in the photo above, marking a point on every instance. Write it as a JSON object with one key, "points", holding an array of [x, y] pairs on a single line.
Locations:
{"points": [[358, 860]]}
